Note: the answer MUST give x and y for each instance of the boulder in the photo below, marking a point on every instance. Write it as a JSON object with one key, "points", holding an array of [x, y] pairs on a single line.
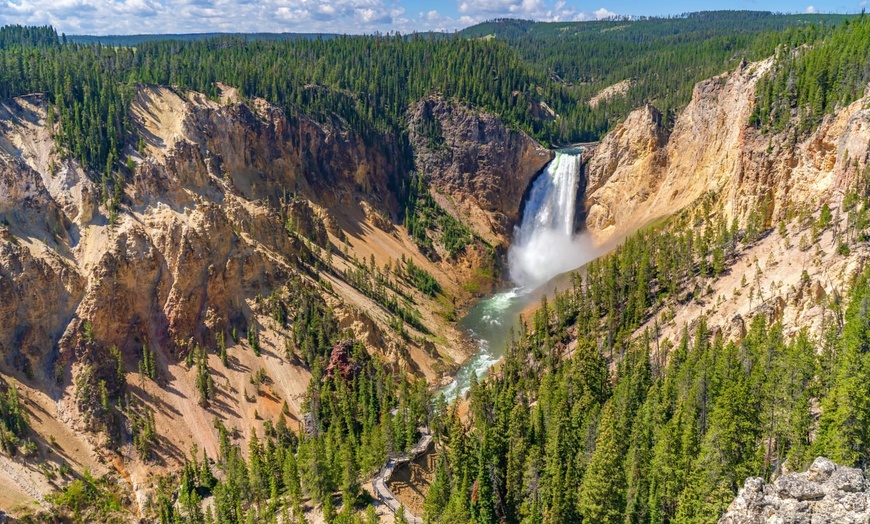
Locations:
{"points": [[824, 494]]}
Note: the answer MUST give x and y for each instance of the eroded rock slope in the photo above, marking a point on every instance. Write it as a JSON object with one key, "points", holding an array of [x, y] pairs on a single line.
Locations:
{"points": [[641, 172], [223, 216]]}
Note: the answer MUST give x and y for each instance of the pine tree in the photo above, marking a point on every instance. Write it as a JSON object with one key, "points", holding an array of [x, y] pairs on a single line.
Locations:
{"points": [[204, 381], [602, 497], [222, 348], [728, 455], [844, 427], [328, 507], [371, 516], [290, 476], [439, 491], [254, 340], [400, 515], [351, 488], [147, 364]]}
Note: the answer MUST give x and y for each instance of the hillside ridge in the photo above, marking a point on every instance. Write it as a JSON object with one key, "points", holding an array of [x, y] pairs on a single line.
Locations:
{"points": [[229, 213]]}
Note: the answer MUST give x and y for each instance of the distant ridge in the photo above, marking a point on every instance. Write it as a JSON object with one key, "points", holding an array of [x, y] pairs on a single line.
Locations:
{"points": [[649, 26]]}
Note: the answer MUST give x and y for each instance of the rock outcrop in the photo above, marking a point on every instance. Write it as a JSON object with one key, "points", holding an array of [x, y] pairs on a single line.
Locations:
{"points": [[656, 174], [257, 153], [715, 166], [202, 226], [825, 494], [478, 168], [624, 171], [639, 173]]}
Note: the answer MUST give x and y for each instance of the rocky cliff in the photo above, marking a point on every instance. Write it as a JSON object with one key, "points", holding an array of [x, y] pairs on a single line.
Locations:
{"points": [[713, 165], [623, 172], [826, 493], [200, 228], [640, 172], [225, 211], [478, 168]]}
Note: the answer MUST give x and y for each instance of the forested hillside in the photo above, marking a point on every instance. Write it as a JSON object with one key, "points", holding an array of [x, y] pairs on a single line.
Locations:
{"points": [[662, 58], [370, 81], [805, 86], [558, 436]]}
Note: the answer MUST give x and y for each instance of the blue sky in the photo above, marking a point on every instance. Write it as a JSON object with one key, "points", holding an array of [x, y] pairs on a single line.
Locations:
{"points": [[350, 16]]}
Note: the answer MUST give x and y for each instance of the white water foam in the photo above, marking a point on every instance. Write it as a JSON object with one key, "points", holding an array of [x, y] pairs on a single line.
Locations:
{"points": [[545, 244], [495, 307]]}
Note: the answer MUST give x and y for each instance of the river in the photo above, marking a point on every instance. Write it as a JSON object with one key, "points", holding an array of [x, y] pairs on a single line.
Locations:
{"points": [[544, 245]]}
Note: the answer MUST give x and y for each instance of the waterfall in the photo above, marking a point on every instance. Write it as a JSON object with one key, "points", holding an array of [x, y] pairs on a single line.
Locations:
{"points": [[545, 244]]}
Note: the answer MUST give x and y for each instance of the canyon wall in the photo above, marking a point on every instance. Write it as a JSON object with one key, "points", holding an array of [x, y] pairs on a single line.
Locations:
{"points": [[641, 172], [478, 168], [226, 206]]}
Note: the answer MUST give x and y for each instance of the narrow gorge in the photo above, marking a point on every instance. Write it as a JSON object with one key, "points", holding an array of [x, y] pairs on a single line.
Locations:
{"points": [[546, 242]]}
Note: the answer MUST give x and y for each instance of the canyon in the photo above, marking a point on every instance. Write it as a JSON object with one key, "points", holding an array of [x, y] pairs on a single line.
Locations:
{"points": [[229, 199]]}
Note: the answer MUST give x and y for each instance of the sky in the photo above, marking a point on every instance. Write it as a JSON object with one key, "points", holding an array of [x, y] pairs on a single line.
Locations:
{"points": [[103, 17]]}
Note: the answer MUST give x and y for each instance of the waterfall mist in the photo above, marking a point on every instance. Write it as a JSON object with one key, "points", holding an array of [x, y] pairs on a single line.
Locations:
{"points": [[545, 244]]}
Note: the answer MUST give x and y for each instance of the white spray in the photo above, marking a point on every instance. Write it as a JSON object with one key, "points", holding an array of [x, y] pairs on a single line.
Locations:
{"points": [[544, 243]]}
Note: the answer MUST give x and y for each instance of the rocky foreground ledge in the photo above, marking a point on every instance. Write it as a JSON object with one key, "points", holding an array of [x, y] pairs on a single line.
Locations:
{"points": [[826, 493]]}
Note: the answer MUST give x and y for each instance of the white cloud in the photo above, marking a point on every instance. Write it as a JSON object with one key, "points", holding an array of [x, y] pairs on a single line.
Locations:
{"points": [[810, 9], [598, 14], [603, 13], [80, 15], [863, 4], [543, 10], [434, 20], [339, 16], [502, 7], [178, 16]]}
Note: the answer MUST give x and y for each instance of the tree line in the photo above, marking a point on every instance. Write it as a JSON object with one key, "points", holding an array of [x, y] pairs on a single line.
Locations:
{"points": [[370, 81], [806, 84]]}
